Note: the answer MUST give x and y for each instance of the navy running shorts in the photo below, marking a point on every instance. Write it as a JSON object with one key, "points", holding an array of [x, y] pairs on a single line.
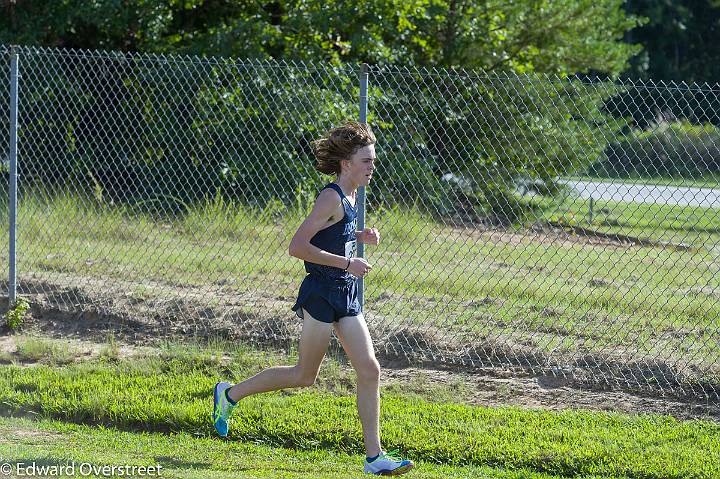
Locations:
{"points": [[326, 300]]}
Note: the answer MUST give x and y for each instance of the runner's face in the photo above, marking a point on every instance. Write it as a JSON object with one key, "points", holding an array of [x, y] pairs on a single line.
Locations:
{"points": [[361, 165]]}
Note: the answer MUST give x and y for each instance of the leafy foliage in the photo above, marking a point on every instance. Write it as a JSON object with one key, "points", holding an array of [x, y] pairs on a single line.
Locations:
{"points": [[566, 36], [15, 316], [164, 133], [680, 40], [668, 150]]}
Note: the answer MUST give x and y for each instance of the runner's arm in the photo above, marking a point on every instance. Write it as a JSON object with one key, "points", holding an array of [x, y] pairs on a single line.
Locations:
{"points": [[322, 213]]}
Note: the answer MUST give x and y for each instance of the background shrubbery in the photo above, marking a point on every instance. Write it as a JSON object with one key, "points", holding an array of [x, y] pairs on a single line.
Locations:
{"points": [[676, 149], [161, 133]]}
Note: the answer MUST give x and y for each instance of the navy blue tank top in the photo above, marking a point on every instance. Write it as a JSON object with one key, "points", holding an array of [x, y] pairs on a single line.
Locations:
{"points": [[339, 239]]}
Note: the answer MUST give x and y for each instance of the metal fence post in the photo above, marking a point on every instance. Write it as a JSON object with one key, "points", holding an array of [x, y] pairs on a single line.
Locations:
{"points": [[12, 281], [361, 191]]}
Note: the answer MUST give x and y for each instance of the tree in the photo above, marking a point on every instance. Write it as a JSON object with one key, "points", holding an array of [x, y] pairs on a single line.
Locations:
{"points": [[214, 117], [127, 25], [681, 40], [564, 37], [551, 36]]}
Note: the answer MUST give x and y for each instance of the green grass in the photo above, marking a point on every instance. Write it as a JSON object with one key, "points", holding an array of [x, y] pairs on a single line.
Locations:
{"points": [[35, 349], [186, 456], [692, 225], [110, 351], [555, 297], [154, 408]]}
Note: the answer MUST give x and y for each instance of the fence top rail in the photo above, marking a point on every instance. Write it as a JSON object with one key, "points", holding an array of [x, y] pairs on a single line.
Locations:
{"points": [[532, 77], [173, 58], [374, 70]]}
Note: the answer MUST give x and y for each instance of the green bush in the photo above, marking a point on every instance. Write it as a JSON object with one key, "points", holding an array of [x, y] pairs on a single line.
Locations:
{"points": [[15, 317], [163, 135], [667, 150]]}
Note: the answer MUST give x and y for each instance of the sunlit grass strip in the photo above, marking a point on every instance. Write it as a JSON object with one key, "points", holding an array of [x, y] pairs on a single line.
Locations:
{"points": [[174, 396], [187, 456]]}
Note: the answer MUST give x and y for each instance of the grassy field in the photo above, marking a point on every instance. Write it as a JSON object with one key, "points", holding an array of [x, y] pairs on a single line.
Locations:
{"points": [[690, 225], [545, 291], [152, 408], [187, 456]]}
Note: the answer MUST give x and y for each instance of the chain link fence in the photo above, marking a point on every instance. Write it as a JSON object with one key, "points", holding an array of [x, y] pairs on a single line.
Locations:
{"points": [[4, 130], [555, 226]]}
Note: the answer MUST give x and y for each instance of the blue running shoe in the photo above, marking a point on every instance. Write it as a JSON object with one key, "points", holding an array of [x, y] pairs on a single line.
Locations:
{"points": [[388, 464], [221, 409]]}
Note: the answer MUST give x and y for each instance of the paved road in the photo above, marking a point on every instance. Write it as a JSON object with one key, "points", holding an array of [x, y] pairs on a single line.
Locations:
{"points": [[638, 193]]}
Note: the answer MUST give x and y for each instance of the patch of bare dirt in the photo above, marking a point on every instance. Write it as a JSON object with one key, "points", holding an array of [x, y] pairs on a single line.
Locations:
{"points": [[559, 234], [505, 387], [81, 349], [7, 344], [544, 234], [11, 434]]}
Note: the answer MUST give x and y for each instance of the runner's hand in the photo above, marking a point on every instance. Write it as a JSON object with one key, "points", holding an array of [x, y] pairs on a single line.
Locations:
{"points": [[359, 267], [369, 236]]}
